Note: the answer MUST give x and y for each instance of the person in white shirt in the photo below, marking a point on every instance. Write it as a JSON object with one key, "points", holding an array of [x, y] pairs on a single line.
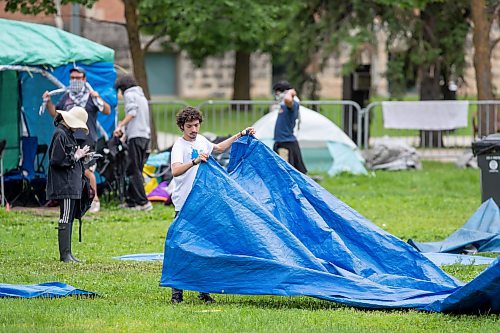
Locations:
{"points": [[187, 153]]}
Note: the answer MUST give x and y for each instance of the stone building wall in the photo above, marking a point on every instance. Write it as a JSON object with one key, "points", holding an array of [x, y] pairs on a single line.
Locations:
{"points": [[215, 78]]}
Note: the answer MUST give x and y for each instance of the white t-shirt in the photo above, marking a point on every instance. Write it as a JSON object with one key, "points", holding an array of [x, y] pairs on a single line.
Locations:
{"points": [[185, 151]]}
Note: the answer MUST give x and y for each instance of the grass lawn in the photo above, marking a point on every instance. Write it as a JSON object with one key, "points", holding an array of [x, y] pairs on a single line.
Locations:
{"points": [[426, 205]]}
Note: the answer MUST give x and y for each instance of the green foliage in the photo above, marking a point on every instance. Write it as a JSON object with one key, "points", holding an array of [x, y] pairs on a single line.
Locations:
{"points": [[208, 28], [35, 7], [396, 77], [428, 35], [426, 205], [422, 34], [317, 30]]}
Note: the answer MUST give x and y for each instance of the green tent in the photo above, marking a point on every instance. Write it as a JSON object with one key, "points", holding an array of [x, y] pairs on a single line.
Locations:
{"points": [[39, 44], [9, 117], [38, 57]]}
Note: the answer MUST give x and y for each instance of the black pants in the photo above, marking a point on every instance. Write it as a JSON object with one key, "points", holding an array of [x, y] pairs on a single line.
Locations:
{"points": [[67, 210], [292, 154], [137, 154]]}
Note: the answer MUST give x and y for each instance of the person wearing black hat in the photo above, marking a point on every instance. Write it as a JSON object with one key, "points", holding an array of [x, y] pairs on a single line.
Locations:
{"points": [[80, 93], [285, 142]]}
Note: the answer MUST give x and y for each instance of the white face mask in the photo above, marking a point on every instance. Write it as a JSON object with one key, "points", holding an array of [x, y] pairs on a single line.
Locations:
{"points": [[75, 86], [279, 96]]}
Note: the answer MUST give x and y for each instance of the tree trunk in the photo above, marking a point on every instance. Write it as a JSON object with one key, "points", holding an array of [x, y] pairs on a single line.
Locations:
{"points": [[487, 120], [132, 24], [241, 85]]}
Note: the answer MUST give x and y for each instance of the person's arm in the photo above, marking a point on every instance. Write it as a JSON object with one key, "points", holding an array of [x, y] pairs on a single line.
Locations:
{"points": [[224, 145], [119, 129], [180, 168], [64, 155], [107, 109], [288, 99], [50, 106]]}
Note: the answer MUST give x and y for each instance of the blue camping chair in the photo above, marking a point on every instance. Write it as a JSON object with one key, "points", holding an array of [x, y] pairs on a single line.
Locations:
{"points": [[26, 176]]}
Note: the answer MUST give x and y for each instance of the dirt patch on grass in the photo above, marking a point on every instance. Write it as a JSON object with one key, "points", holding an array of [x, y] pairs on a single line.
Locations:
{"points": [[38, 211]]}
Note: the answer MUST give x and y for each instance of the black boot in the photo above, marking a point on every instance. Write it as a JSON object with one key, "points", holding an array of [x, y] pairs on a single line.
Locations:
{"points": [[205, 297], [177, 296], [70, 237], [64, 238]]}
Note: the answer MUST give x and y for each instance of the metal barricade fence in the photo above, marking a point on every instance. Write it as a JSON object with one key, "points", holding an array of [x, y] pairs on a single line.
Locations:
{"points": [[224, 118], [231, 116], [483, 118], [164, 121]]}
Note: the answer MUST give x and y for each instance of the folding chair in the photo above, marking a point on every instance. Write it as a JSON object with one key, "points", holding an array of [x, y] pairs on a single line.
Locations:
{"points": [[3, 143], [26, 175], [41, 153]]}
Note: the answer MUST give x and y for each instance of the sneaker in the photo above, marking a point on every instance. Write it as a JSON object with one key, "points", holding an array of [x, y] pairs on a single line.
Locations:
{"points": [[177, 296], [95, 206], [126, 206], [146, 207], [206, 298]]}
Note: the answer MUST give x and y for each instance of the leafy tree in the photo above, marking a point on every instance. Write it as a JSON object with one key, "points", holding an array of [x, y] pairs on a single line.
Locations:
{"points": [[34, 7], [426, 40], [434, 33], [211, 28], [316, 30]]}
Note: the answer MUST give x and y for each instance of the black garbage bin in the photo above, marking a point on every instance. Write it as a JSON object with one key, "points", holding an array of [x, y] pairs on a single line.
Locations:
{"points": [[487, 151]]}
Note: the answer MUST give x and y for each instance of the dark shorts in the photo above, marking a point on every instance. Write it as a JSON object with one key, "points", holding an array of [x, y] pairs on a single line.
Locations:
{"points": [[290, 152]]}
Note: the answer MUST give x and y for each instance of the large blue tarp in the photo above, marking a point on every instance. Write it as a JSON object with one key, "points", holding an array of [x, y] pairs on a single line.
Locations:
{"points": [[266, 229], [440, 259], [49, 289], [481, 233]]}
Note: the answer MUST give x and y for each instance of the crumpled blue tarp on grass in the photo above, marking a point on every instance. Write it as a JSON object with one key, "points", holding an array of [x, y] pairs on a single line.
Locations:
{"points": [[141, 257], [442, 259], [49, 290], [267, 229], [482, 231]]}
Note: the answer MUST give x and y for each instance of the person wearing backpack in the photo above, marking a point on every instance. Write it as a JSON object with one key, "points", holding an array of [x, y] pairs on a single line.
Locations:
{"points": [[66, 172]]}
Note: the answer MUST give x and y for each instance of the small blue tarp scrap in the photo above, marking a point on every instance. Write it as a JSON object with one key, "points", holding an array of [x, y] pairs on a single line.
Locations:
{"points": [[481, 232], [49, 290], [141, 257], [442, 259], [266, 229]]}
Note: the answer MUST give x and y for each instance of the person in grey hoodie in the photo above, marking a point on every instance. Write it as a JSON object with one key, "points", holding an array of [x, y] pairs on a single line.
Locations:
{"points": [[135, 126]]}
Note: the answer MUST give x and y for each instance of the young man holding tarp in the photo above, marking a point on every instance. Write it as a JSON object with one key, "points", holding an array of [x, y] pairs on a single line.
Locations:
{"points": [[187, 153]]}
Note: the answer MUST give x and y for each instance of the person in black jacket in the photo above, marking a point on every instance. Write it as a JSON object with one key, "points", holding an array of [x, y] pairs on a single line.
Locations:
{"points": [[64, 182], [80, 93]]}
